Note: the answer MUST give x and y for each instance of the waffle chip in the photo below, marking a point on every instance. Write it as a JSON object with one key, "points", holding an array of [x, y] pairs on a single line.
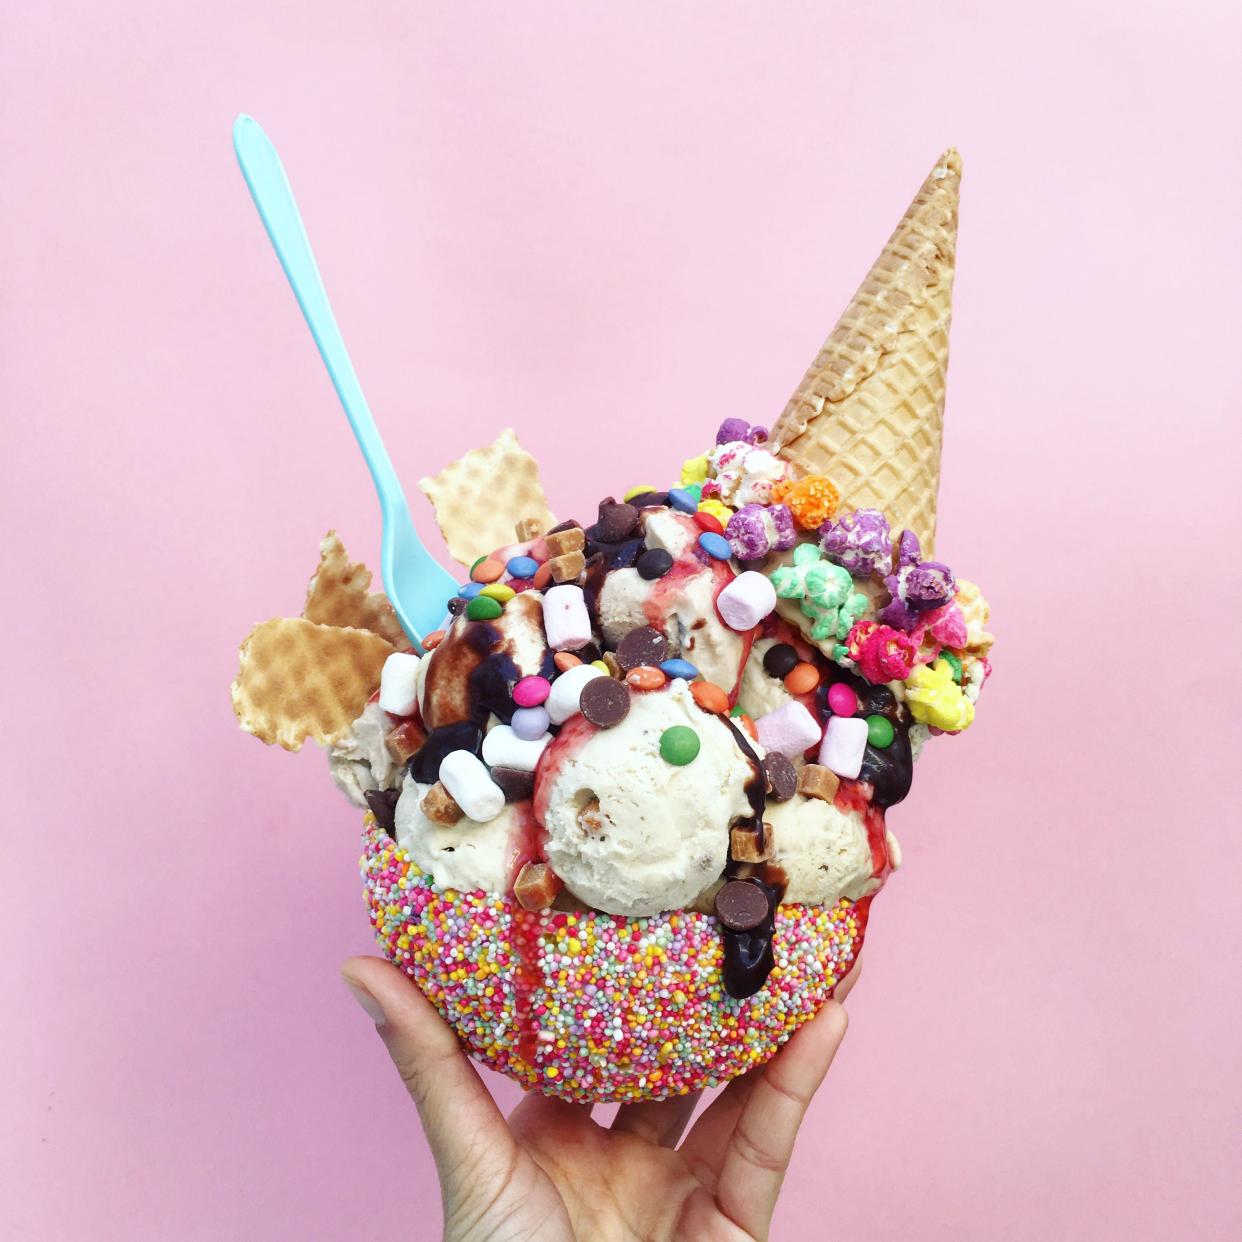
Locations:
{"points": [[481, 498], [337, 595], [296, 680]]}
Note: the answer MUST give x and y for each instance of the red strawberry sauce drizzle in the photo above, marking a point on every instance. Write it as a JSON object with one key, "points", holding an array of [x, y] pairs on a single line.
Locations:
{"points": [[856, 796], [527, 843]]}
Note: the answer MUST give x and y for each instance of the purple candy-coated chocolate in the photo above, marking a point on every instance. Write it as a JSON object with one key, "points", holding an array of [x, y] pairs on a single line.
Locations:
{"points": [[530, 723]]}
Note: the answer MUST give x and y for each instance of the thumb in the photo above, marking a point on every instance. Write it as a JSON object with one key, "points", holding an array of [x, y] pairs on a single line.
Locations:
{"points": [[460, 1117]]}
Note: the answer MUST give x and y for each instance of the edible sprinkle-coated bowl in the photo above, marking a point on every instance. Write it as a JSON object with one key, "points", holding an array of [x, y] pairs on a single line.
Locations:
{"points": [[598, 1007]]}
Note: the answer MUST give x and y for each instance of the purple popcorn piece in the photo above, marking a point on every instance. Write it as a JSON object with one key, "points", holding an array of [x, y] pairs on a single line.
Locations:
{"points": [[756, 435], [908, 550], [747, 533], [927, 585], [859, 542], [783, 523], [732, 429]]}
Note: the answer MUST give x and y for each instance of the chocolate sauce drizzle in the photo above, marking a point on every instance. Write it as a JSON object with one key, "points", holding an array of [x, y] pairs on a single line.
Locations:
{"points": [[889, 770], [748, 955]]}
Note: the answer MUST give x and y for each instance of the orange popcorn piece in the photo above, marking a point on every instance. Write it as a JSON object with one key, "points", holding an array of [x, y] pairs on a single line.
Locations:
{"points": [[812, 500]]}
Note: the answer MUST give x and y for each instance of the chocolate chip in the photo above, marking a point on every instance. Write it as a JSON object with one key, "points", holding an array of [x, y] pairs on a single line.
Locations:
{"points": [[457, 605], [588, 654], [516, 784], [654, 563], [778, 661], [383, 804], [616, 521], [741, 905], [781, 776], [642, 645], [605, 702], [646, 500]]}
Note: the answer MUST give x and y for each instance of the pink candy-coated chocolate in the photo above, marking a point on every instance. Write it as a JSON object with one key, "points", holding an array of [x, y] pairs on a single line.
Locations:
{"points": [[842, 700], [531, 691]]}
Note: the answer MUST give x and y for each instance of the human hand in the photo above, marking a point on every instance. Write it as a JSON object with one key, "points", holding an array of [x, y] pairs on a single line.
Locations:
{"points": [[550, 1172]]}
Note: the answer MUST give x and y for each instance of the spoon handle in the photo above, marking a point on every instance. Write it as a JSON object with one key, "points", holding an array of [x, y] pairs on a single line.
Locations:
{"points": [[269, 187]]}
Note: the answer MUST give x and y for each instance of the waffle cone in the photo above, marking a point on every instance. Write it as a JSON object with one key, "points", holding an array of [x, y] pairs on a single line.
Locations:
{"points": [[480, 498], [338, 595], [869, 412], [297, 680]]}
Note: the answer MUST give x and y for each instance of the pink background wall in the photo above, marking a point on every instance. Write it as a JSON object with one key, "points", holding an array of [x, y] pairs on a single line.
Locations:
{"points": [[611, 230]]}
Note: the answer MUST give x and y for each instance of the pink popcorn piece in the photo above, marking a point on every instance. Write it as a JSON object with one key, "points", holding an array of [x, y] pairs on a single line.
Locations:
{"points": [[789, 730]]}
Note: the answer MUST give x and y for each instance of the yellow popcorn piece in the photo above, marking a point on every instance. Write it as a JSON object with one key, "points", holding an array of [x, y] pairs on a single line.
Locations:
{"points": [[936, 699], [694, 470]]}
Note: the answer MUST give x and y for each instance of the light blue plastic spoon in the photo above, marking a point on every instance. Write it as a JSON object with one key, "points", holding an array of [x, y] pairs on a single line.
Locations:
{"points": [[418, 585]]}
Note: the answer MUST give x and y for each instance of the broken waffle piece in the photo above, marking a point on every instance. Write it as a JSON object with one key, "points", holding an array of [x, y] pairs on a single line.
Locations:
{"points": [[439, 806], [296, 679], [478, 500], [815, 781], [747, 845], [536, 886], [338, 595]]}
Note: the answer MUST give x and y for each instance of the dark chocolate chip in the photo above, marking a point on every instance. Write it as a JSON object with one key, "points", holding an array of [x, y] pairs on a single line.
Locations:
{"points": [[654, 563], [647, 500], [457, 605], [781, 775], [383, 804], [779, 661], [616, 521], [642, 645], [588, 654], [741, 905], [425, 762], [568, 524], [516, 784], [605, 702]]}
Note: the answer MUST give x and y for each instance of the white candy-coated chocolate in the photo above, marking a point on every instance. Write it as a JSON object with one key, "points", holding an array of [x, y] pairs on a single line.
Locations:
{"points": [[746, 600], [564, 699], [502, 748], [788, 730], [845, 739], [566, 621], [464, 775], [399, 684]]}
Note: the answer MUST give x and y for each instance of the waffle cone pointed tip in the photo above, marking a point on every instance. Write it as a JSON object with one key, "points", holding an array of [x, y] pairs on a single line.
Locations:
{"points": [[869, 412]]}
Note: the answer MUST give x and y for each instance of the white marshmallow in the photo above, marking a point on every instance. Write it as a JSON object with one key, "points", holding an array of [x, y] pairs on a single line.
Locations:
{"points": [[502, 748], [845, 739], [462, 773], [566, 621], [566, 694], [789, 730], [399, 684], [746, 600]]}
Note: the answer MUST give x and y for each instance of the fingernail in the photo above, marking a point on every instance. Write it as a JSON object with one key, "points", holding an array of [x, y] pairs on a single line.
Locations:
{"points": [[368, 1003]]}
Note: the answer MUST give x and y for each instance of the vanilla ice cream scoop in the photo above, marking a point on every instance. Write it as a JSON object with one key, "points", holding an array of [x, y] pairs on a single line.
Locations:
{"points": [[823, 850], [629, 832]]}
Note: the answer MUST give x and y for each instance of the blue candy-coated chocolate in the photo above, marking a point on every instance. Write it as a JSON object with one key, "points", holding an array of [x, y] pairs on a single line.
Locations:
{"points": [[715, 545], [679, 668], [470, 590], [681, 499], [522, 566]]}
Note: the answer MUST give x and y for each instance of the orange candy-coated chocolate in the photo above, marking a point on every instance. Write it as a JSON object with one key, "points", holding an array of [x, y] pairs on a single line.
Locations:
{"points": [[802, 678], [645, 677], [710, 697]]}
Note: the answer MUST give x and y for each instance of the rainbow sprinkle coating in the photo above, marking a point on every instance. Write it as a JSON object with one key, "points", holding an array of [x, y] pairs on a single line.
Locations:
{"points": [[597, 1007]]}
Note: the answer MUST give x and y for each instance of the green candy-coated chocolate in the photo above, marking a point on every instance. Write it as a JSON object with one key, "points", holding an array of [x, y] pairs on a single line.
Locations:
{"points": [[679, 745], [483, 608], [880, 731]]}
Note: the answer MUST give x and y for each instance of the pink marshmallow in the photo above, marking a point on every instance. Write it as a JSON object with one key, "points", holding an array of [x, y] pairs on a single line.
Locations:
{"points": [[845, 740], [746, 600], [789, 730]]}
